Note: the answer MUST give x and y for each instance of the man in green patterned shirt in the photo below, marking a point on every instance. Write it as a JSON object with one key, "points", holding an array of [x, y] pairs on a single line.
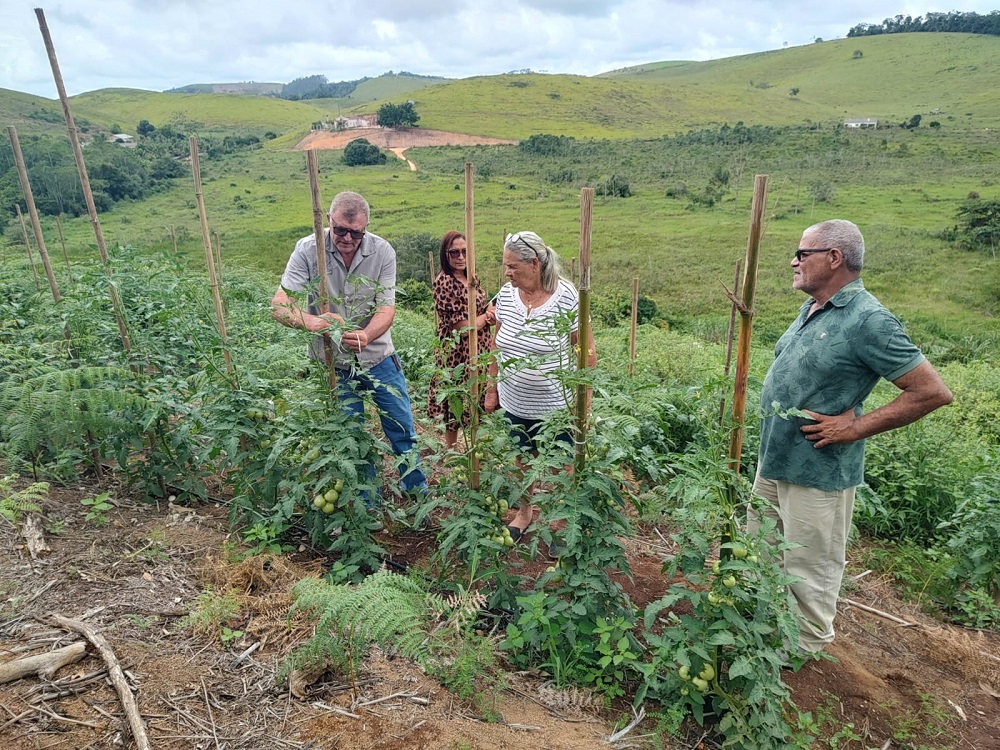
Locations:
{"points": [[825, 365]]}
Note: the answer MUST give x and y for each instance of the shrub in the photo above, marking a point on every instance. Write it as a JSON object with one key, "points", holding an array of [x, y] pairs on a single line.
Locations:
{"points": [[360, 153], [615, 186]]}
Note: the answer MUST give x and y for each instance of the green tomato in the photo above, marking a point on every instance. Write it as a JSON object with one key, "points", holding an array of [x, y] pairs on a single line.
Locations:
{"points": [[684, 691], [713, 598], [504, 506], [339, 485], [319, 501], [329, 508], [699, 683], [715, 567], [707, 673], [312, 455], [752, 558], [508, 541], [739, 552], [684, 672], [729, 582], [331, 496]]}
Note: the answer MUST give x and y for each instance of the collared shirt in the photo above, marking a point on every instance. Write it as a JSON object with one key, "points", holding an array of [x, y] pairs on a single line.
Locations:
{"points": [[828, 362], [356, 293]]}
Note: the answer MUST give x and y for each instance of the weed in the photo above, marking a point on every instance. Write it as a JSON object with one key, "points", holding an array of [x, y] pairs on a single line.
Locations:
{"points": [[99, 507]]}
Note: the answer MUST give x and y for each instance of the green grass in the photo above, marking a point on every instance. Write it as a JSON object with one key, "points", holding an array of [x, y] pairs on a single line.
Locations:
{"points": [[386, 87]]}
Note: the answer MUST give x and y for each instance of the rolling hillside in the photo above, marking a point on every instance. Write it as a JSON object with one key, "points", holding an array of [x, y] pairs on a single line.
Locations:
{"points": [[389, 86]]}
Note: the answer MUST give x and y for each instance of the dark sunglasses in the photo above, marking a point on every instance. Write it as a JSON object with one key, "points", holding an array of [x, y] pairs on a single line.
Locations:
{"points": [[457, 253], [805, 252], [356, 234]]}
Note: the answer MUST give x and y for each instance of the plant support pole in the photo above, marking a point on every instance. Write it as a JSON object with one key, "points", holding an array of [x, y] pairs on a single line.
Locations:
{"points": [[635, 323], [470, 273], [220, 317], [27, 246], [745, 308], [29, 199], [312, 165], [583, 328], [81, 167], [729, 337], [62, 242]]}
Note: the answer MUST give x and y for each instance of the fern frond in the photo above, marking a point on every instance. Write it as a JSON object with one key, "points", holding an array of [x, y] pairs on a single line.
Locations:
{"points": [[15, 503]]}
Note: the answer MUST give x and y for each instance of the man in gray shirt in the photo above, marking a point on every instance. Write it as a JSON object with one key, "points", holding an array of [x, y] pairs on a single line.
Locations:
{"points": [[361, 281]]}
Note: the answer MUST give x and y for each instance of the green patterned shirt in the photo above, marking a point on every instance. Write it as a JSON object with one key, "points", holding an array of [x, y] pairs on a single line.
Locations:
{"points": [[827, 363]]}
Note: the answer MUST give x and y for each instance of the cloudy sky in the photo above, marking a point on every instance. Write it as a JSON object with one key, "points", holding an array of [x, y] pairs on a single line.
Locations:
{"points": [[161, 44]]}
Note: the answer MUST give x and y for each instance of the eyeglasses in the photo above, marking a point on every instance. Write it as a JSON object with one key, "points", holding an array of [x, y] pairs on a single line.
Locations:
{"points": [[805, 252], [513, 238], [356, 234], [456, 253]]}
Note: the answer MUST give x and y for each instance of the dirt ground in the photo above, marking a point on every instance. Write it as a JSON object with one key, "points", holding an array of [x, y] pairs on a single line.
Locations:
{"points": [[135, 578], [396, 140]]}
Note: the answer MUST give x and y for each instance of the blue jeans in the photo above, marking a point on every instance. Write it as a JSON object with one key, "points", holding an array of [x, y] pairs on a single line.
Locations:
{"points": [[386, 383]]}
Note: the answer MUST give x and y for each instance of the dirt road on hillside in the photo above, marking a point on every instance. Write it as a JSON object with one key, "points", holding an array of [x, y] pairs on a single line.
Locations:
{"points": [[403, 138]]}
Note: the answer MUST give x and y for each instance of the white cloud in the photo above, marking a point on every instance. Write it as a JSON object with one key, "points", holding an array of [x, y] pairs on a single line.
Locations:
{"points": [[159, 44]]}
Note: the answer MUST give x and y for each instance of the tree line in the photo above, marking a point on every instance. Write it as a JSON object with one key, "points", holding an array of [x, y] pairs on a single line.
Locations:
{"points": [[116, 173], [957, 21]]}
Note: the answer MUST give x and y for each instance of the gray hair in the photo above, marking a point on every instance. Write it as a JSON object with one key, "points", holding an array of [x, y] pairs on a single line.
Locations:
{"points": [[843, 235], [351, 205], [527, 246]]}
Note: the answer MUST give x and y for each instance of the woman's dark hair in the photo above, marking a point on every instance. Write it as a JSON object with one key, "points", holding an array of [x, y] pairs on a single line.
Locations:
{"points": [[446, 242]]}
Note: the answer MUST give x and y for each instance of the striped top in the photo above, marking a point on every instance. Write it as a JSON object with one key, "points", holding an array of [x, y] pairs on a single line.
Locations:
{"points": [[533, 348]]}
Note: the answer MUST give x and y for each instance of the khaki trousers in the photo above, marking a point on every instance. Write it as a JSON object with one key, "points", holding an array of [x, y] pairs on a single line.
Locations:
{"points": [[820, 521]]}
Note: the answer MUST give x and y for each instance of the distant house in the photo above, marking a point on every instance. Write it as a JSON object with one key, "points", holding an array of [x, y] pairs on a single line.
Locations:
{"points": [[865, 122], [122, 139], [350, 123]]}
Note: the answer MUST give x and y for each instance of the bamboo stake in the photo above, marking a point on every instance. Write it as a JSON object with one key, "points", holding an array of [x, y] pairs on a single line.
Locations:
{"points": [[503, 239], [81, 167], [62, 242], [27, 247], [473, 371], [173, 238], [572, 270], [218, 261], [635, 323], [324, 290], [583, 326], [213, 282], [430, 262], [729, 337], [746, 320], [29, 199]]}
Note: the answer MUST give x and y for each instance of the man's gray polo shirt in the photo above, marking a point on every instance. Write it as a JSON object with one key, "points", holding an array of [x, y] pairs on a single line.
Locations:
{"points": [[355, 293], [828, 363]]}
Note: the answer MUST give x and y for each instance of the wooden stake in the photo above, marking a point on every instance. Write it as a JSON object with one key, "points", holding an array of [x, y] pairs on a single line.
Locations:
{"points": [[729, 336], [29, 199], [324, 290], [583, 326], [746, 320], [220, 317], [173, 238], [27, 246], [65, 254], [430, 263], [473, 370], [635, 323], [218, 261], [114, 672], [81, 167]]}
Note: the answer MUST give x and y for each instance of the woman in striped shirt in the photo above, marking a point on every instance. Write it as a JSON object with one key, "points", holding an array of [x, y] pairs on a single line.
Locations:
{"points": [[535, 342]]}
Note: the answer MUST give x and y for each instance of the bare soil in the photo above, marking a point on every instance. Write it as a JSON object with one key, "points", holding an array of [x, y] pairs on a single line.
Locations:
{"points": [[398, 138], [136, 578]]}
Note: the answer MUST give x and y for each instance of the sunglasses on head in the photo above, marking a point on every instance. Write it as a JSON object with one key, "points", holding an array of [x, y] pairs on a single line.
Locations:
{"points": [[513, 238], [356, 234]]}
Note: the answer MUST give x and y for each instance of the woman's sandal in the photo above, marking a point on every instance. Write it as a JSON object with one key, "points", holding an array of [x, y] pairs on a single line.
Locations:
{"points": [[515, 533]]}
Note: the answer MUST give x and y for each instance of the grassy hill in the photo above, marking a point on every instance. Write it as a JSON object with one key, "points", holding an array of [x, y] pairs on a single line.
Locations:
{"points": [[895, 77], [31, 114], [213, 111], [386, 87]]}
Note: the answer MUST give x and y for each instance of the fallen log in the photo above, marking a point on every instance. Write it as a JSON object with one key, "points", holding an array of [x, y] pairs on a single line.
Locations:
{"points": [[44, 665], [114, 672]]}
